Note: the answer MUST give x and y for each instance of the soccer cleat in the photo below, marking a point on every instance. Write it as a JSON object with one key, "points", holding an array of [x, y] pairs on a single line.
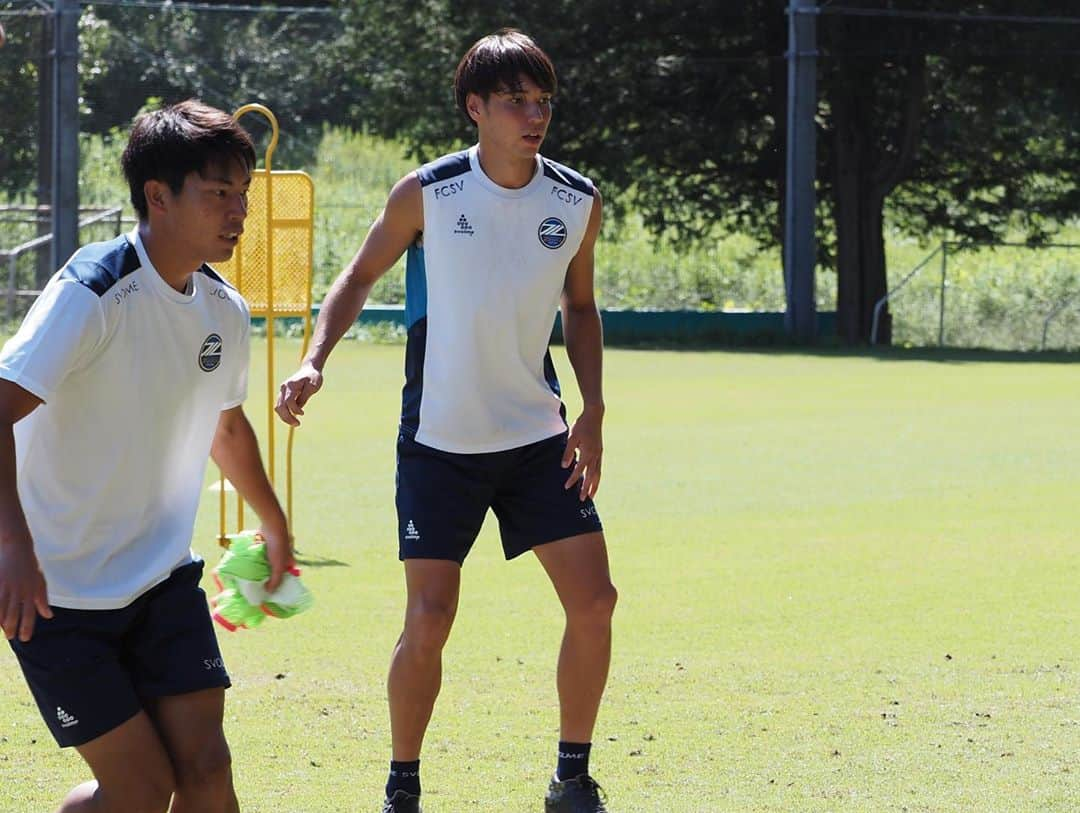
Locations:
{"points": [[578, 795], [402, 802]]}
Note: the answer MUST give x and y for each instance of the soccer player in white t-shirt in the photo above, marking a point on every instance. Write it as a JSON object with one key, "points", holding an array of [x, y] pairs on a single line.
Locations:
{"points": [[128, 372], [497, 238]]}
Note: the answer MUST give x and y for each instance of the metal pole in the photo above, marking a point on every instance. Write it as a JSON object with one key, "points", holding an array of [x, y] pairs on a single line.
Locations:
{"points": [[13, 270], [43, 260], [800, 249], [944, 282], [65, 174]]}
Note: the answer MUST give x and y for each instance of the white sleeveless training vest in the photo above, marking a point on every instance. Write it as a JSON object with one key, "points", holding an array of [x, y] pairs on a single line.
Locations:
{"points": [[482, 288]]}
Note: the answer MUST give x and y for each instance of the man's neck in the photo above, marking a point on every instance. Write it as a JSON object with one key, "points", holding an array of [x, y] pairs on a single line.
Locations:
{"points": [[170, 263], [509, 172]]}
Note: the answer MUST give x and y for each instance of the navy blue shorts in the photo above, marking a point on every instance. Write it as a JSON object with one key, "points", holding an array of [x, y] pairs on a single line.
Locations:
{"points": [[442, 499], [91, 670]]}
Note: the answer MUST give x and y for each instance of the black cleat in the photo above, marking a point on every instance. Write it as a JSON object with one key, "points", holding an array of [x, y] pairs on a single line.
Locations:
{"points": [[402, 802], [578, 795]]}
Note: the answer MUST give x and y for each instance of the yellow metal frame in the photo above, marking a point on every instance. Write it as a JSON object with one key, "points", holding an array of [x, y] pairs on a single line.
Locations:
{"points": [[258, 283]]}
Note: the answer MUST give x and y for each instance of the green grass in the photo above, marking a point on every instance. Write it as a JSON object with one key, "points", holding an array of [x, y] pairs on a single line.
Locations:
{"points": [[847, 584]]}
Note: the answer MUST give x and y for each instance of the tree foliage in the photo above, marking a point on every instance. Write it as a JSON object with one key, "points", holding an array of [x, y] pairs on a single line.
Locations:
{"points": [[131, 55], [962, 129], [20, 66], [957, 129]]}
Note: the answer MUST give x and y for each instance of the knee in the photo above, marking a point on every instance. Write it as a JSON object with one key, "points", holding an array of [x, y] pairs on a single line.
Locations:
{"points": [[427, 626], [209, 769], [596, 609]]}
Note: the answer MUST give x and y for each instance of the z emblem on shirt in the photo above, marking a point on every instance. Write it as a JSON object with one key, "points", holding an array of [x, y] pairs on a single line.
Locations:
{"points": [[552, 233], [210, 353]]}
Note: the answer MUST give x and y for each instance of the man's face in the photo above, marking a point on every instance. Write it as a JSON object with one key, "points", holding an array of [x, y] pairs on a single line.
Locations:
{"points": [[514, 118], [209, 211]]}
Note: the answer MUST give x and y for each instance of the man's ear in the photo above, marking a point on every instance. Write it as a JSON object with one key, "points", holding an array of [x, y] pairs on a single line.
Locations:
{"points": [[157, 195], [473, 103]]}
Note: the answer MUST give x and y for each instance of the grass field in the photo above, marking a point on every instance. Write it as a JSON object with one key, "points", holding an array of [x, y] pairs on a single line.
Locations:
{"points": [[848, 583]]}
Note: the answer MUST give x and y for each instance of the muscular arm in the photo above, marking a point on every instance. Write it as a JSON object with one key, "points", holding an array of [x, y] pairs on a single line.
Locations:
{"points": [[396, 227], [236, 450], [23, 594], [584, 339]]}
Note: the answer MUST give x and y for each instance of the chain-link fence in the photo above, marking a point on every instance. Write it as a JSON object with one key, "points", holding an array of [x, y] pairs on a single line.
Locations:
{"points": [[26, 266], [1000, 296]]}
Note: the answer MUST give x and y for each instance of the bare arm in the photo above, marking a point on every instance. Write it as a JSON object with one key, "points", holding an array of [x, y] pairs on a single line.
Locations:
{"points": [[396, 227], [23, 594], [584, 339], [236, 450]]}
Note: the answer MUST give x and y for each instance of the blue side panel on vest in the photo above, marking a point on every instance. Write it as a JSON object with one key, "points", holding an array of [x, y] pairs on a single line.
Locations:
{"points": [[99, 266], [415, 285], [567, 177], [449, 166], [412, 393], [553, 381]]}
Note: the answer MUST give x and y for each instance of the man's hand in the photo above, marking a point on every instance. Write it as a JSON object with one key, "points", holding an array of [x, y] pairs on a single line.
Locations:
{"points": [[586, 444], [296, 391], [279, 554], [23, 595]]}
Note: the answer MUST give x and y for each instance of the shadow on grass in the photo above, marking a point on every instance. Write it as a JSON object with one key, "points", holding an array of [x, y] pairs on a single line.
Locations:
{"points": [[313, 560]]}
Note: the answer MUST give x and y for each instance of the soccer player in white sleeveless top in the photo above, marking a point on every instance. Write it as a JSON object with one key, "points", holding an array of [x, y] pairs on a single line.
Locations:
{"points": [[497, 238], [128, 372]]}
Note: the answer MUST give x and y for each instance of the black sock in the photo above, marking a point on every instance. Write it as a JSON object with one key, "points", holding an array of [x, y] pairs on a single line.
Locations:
{"points": [[403, 776], [573, 759]]}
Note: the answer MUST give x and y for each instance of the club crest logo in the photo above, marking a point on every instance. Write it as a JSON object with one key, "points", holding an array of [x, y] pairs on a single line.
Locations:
{"points": [[210, 353], [552, 233]]}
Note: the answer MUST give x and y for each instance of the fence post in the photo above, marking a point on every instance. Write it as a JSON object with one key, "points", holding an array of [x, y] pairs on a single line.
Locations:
{"points": [[13, 259], [944, 282], [800, 251], [65, 149]]}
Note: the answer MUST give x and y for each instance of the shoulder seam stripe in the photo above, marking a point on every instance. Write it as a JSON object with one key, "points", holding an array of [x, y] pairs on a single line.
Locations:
{"points": [[567, 177], [102, 278], [214, 275], [445, 168]]}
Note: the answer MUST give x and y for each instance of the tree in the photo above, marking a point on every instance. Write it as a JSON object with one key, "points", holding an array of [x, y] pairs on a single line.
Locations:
{"points": [[961, 129], [20, 67], [956, 128], [226, 58], [950, 128]]}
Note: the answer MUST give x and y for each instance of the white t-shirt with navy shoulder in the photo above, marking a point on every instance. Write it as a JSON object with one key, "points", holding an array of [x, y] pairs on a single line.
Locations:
{"points": [[134, 376], [482, 287]]}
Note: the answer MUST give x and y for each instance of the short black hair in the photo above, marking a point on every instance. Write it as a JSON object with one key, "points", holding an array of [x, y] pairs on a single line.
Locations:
{"points": [[498, 60], [169, 144]]}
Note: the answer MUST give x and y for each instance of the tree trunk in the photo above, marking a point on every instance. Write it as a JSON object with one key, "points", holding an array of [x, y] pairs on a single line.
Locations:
{"points": [[860, 247], [860, 263], [864, 178]]}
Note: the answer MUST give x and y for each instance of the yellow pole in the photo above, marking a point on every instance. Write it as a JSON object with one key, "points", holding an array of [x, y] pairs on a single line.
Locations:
{"points": [[222, 539], [303, 352], [268, 170], [289, 304]]}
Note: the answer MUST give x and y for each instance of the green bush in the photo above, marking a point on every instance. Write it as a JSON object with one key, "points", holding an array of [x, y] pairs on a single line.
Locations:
{"points": [[996, 298]]}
